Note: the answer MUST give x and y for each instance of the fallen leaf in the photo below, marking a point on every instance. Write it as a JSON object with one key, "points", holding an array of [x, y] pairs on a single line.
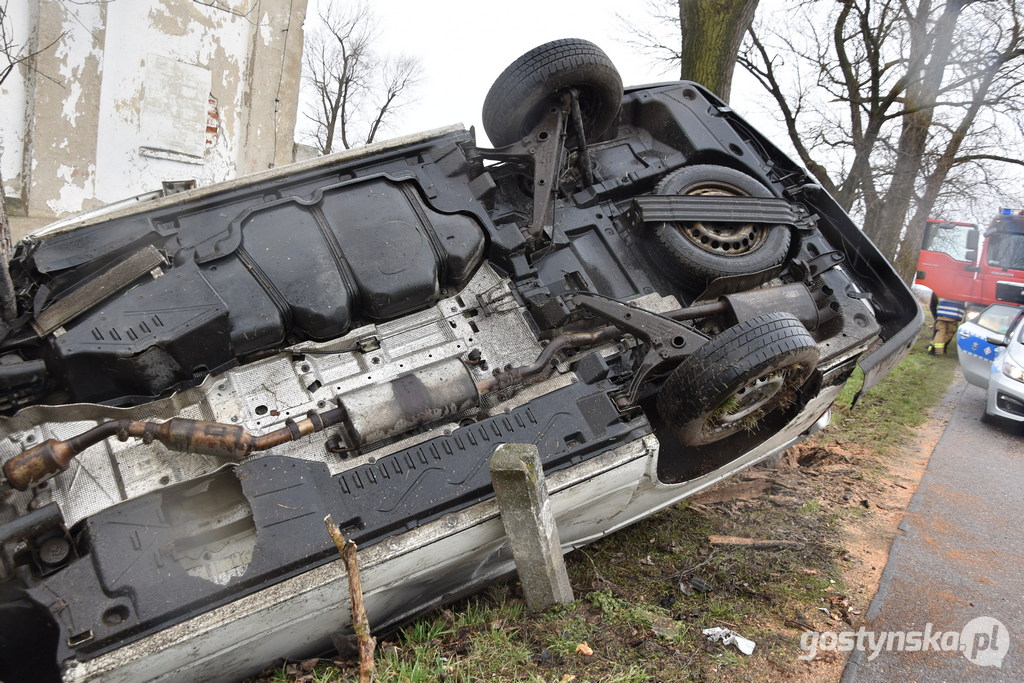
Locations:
{"points": [[665, 627], [584, 649]]}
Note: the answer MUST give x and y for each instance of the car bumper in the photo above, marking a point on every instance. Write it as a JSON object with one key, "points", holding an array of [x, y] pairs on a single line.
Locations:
{"points": [[1005, 397]]}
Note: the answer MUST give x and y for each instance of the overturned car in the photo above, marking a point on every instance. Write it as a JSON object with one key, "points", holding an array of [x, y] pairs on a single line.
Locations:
{"points": [[637, 282]]}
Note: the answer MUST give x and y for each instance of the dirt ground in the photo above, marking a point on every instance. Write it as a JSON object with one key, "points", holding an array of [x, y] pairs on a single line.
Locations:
{"points": [[870, 495]]}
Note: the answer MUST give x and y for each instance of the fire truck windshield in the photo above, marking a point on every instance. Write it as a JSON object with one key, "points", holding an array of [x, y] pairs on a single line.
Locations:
{"points": [[952, 239], [1006, 251]]}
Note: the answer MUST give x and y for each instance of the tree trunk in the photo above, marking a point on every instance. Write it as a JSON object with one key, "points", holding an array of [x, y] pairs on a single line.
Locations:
{"points": [[929, 55], [906, 259], [8, 305], [712, 31]]}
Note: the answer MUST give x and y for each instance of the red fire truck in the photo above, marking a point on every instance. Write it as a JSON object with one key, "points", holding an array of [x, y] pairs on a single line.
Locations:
{"points": [[951, 266]]}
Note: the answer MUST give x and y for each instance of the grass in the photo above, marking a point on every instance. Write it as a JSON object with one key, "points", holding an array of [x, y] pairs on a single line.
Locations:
{"points": [[645, 594], [887, 414]]}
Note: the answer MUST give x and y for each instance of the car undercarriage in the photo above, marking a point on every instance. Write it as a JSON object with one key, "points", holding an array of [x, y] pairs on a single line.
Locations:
{"points": [[635, 281]]}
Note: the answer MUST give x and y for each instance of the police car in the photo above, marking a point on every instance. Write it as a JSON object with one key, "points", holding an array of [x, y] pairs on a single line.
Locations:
{"points": [[991, 350]]}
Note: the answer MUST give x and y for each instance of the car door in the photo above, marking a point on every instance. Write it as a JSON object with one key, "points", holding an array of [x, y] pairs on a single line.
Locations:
{"points": [[975, 350]]}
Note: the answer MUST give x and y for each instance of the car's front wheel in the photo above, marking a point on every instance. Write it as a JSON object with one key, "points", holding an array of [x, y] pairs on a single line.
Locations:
{"points": [[736, 378]]}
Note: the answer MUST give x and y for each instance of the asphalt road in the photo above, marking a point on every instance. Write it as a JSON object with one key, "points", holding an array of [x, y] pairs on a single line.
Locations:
{"points": [[960, 558]]}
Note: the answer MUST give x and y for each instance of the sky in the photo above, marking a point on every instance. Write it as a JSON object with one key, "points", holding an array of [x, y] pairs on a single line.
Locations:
{"points": [[464, 45]]}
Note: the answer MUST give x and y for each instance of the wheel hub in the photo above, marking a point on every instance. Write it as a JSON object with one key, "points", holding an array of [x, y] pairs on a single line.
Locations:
{"points": [[752, 397]]}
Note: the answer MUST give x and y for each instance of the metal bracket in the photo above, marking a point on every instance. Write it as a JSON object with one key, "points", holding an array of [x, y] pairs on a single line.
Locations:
{"points": [[545, 148], [667, 340], [806, 270]]}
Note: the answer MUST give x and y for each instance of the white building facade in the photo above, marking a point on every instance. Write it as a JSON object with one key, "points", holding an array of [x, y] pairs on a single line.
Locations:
{"points": [[123, 95]]}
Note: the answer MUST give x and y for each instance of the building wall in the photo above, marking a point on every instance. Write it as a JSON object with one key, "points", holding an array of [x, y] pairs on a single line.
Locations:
{"points": [[136, 92]]}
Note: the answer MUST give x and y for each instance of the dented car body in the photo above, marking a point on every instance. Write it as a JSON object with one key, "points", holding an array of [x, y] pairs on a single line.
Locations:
{"points": [[637, 282]]}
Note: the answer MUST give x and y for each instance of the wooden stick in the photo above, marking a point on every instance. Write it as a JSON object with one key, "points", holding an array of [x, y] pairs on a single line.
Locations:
{"points": [[753, 543], [360, 622]]}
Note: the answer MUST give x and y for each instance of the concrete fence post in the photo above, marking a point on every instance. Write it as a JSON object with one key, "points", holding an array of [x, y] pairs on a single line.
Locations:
{"points": [[522, 495]]}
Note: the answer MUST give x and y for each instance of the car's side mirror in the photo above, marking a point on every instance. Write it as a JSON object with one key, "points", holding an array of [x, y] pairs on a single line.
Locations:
{"points": [[997, 339]]}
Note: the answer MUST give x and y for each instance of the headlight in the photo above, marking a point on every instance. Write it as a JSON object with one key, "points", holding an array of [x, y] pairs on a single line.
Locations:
{"points": [[1012, 370]]}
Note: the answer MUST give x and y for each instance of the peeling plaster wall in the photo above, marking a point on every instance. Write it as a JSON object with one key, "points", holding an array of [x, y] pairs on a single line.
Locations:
{"points": [[65, 108], [152, 49], [136, 81]]}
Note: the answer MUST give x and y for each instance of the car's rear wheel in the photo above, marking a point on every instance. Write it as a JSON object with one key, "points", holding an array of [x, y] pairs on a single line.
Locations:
{"points": [[525, 90], [736, 378], [695, 254]]}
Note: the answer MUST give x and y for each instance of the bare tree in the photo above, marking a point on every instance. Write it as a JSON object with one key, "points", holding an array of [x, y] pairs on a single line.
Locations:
{"points": [[899, 106], [353, 91], [12, 56], [709, 35]]}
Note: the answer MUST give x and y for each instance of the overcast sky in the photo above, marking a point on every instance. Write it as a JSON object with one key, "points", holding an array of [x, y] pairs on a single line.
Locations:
{"points": [[463, 45]]}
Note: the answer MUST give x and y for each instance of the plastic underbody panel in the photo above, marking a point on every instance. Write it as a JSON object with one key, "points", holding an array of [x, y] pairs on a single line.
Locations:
{"points": [[392, 283]]}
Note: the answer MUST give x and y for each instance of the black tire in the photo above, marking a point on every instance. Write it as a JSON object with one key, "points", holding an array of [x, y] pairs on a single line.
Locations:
{"points": [[520, 95], [998, 421], [695, 254], [736, 378]]}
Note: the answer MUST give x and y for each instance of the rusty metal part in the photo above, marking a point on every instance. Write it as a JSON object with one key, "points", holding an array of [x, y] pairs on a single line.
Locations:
{"points": [[508, 377], [415, 399], [39, 463], [793, 298]]}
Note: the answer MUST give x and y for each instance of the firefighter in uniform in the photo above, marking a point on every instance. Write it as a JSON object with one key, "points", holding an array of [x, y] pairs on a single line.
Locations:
{"points": [[948, 316]]}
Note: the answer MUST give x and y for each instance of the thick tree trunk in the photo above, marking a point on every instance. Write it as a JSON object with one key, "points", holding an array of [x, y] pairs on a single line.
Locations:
{"points": [[929, 55], [712, 31], [906, 259]]}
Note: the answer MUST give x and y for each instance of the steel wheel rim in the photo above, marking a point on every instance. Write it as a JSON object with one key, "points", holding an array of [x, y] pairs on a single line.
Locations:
{"points": [[724, 239]]}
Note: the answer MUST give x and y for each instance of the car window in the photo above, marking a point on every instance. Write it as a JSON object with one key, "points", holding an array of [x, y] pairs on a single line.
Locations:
{"points": [[998, 318]]}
